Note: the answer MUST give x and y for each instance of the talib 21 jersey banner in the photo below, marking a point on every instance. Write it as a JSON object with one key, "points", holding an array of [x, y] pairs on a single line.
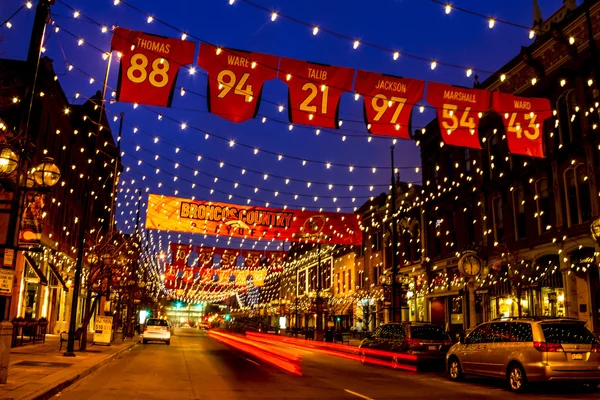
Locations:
{"points": [[314, 91], [523, 120], [149, 66], [458, 110], [235, 80], [388, 102], [213, 218]]}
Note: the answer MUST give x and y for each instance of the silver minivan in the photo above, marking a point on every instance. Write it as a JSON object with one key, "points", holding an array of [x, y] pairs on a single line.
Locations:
{"points": [[529, 349]]}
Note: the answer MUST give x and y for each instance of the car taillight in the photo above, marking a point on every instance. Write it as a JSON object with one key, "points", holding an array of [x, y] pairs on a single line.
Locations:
{"points": [[414, 342], [596, 348], [447, 342], [548, 347]]}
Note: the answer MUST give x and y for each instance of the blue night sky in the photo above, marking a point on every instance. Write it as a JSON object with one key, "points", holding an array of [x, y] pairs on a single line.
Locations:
{"points": [[419, 27]]}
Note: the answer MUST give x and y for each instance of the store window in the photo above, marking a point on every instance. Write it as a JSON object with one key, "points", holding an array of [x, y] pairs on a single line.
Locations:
{"points": [[377, 241], [361, 278]]}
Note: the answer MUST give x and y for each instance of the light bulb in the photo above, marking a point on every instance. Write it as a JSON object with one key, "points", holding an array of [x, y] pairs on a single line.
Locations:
{"points": [[448, 8], [356, 44], [491, 23], [315, 30]]}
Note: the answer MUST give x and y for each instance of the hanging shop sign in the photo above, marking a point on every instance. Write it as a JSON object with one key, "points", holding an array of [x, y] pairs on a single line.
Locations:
{"points": [[32, 219], [214, 218], [388, 102], [458, 111], [180, 253], [523, 120], [314, 91], [235, 80], [149, 66]]}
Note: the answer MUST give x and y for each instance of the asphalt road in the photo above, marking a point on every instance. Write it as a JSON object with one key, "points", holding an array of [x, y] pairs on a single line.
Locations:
{"points": [[196, 366]]}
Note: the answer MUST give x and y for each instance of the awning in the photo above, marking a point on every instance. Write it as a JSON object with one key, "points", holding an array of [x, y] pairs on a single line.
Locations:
{"points": [[36, 268], [58, 276]]}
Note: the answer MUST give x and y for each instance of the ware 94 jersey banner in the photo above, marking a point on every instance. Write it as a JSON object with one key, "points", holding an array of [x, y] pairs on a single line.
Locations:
{"points": [[314, 91], [149, 66], [388, 102], [235, 80]]}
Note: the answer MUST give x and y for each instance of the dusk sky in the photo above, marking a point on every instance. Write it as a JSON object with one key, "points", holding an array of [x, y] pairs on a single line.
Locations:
{"points": [[418, 27]]}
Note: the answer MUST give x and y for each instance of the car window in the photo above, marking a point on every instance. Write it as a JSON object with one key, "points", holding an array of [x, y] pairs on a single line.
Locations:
{"points": [[558, 332], [521, 332], [428, 332], [499, 332], [397, 331], [377, 332], [156, 322], [388, 332], [478, 335]]}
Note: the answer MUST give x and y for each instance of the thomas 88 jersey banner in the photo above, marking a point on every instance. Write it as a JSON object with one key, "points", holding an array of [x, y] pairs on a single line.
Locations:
{"points": [[235, 80], [314, 91], [149, 66]]}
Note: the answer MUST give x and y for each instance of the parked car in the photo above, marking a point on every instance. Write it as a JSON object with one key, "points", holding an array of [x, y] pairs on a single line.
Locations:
{"points": [[157, 329], [427, 342], [523, 350]]}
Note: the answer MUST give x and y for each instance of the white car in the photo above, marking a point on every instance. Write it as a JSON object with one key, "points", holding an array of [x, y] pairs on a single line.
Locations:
{"points": [[157, 329]]}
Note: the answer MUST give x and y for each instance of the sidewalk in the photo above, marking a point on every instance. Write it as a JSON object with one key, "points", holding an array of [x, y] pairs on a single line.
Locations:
{"points": [[38, 371]]}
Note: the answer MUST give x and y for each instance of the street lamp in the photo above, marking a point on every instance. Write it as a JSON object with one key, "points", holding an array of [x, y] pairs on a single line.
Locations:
{"points": [[595, 229], [47, 173]]}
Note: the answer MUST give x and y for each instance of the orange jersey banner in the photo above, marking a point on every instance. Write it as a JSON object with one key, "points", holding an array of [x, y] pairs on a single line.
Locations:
{"points": [[213, 218]]}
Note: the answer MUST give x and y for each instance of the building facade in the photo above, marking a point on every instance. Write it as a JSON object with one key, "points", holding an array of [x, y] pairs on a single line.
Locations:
{"points": [[528, 219]]}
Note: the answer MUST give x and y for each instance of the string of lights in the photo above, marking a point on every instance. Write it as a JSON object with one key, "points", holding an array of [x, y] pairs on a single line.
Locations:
{"points": [[7, 22]]}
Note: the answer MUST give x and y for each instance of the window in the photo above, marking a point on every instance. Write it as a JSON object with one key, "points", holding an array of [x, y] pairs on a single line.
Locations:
{"points": [[349, 285], [572, 333], [478, 335], [498, 219], [521, 332], [468, 161], [301, 283], [519, 213], [451, 231], [469, 225], [376, 238], [376, 273], [428, 332], [569, 127], [499, 332], [542, 203], [577, 193], [407, 244], [395, 331], [361, 278], [337, 282]]}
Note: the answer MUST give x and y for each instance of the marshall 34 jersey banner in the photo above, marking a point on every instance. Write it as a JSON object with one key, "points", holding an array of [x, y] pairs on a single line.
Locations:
{"points": [[149, 66], [458, 110], [235, 80], [388, 102], [314, 91], [523, 122], [213, 218]]}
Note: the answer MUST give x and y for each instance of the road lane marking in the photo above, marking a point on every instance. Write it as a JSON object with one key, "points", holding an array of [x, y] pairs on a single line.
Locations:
{"points": [[253, 362], [358, 394]]}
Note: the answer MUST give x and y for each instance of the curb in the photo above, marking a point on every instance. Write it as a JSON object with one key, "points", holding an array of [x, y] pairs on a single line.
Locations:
{"points": [[60, 386]]}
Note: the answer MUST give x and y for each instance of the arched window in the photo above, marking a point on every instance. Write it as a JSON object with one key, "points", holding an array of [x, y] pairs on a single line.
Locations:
{"points": [[569, 127], [542, 204], [577, 195], [519, 213]]}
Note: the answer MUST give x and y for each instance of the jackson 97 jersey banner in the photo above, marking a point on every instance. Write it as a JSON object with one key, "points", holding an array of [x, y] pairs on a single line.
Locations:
{"points": [[214, 218], [235, 80], [523, 119], [388, 102], [458, 111], [149, 66], [314, 91]]}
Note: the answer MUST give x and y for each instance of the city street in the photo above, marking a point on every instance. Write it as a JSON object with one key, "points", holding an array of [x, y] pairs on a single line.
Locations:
{"points": [[195, 366]]}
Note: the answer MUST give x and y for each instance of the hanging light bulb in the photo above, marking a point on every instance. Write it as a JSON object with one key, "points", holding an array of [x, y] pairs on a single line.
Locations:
{"points": [[273, 16], [315, 30], [448, 8]]}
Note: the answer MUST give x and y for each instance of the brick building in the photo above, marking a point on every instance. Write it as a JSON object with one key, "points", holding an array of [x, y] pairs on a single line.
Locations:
{"points": [[527, 218]]}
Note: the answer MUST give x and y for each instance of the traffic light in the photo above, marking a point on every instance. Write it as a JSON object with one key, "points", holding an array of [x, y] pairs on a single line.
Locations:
{"points": [[178, 305], [227, 317], [338, 319]]}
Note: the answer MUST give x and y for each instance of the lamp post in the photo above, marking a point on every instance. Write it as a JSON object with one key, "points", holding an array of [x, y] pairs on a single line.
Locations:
{"points": [[394, 304]]}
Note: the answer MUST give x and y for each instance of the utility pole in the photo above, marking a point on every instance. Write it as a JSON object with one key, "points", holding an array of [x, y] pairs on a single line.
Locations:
{"points": [[395, 306]]}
